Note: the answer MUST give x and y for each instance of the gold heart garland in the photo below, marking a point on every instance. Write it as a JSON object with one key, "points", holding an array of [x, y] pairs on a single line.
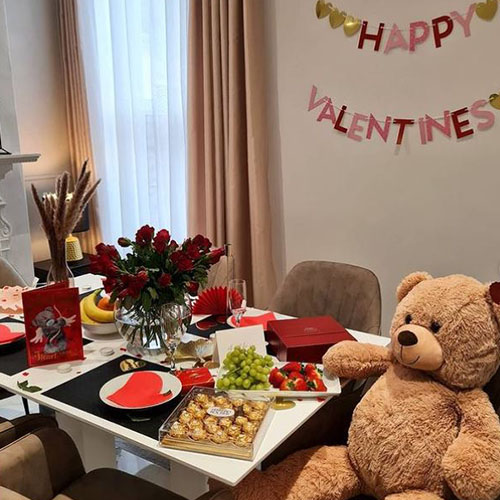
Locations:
{"points": [[495, 100], [484, 10]]}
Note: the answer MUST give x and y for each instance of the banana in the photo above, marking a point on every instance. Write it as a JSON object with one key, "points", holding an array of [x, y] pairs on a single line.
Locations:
{"points": [[84, 316], [94, 313]]}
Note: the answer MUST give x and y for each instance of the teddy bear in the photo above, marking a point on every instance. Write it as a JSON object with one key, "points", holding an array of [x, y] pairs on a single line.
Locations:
{"points": [[425, 430]]}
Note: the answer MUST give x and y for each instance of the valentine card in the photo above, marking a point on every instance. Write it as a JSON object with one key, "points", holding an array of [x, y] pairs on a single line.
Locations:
{"points": [[53, 324]]}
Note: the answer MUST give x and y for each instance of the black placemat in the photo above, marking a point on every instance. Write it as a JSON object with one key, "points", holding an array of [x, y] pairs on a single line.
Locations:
{"points": [[13, 358], [205, 327], [82, 392]]}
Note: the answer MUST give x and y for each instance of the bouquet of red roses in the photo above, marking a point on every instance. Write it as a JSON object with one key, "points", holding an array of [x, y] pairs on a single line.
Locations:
{"points": [[157, 270]]}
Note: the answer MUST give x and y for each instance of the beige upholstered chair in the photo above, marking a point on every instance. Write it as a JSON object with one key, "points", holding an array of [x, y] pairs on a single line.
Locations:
{"points": [[45, 465], [10, 430], [350, 294]]}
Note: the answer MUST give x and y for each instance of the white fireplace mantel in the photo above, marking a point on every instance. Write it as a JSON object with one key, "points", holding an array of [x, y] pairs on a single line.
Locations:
{"points": [[7, 162], [18, 158]]}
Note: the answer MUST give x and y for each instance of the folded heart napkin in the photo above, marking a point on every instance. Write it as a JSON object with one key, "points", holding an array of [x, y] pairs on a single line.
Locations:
{"points": [[263, 319], [7, 335], [141, 389]]}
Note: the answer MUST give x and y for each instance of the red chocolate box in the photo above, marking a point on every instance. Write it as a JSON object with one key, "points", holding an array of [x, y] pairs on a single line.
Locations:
{"points": [[305, 339], [195, 377]]}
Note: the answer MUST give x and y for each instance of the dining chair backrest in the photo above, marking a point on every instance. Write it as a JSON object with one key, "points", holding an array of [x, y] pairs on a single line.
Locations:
{"points": [[350, 294]]}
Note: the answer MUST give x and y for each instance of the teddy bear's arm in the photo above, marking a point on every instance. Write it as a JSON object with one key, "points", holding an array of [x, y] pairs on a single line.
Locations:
{"points": [[472, 463], [349, 359]]}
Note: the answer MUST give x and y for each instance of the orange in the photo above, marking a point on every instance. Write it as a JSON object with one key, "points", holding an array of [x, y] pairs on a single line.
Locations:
{"points": [[105, 304]]}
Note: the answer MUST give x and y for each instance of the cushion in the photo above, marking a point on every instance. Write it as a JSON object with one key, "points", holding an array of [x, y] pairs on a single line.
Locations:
{"points": [[111, 484]]}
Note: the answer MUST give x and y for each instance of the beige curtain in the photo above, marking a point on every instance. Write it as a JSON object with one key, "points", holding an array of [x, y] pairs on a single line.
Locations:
{"points": [[227, 136], [76, 109]]}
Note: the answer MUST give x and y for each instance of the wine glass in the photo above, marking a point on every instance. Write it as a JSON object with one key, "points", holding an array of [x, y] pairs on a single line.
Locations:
{"points": [[174, 322], [237, 299]]}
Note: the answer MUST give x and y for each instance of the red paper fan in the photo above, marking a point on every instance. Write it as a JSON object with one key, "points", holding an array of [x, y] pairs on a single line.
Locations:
{"points": [[213, 301]]}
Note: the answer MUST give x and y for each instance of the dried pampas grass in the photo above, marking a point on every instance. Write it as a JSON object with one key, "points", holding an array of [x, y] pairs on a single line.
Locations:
{"points": [[60, 213]]}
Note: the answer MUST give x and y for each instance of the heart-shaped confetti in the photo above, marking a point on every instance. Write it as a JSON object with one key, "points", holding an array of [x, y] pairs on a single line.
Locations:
{"points": [[323, 9], [495, 100], [337, 18], [487, 10], [351, 25]]}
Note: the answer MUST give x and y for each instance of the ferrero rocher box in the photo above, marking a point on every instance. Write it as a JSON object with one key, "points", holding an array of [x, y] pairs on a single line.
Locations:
{"points": [[214, 422]]}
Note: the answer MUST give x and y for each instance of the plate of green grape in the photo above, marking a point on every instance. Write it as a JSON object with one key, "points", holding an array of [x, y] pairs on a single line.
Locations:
{"points": [[246, 371]]}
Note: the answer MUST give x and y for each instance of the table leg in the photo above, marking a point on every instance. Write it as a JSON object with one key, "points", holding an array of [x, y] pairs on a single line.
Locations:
{"points": [[96, 447]]}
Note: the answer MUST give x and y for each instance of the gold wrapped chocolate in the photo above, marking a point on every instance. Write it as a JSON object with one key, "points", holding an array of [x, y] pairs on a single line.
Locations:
{"points": [[192, 408], [199, 413], [222, 402], [198, 434], [234, 430], [209, 419], [202, 399], [255, 416], [195, 424], [177, 430], [212, 428], [240, 420], [220, 437], [185, 417], [249, 428], [247, 408], [238, 402], [225, 422], [260, 405], [243, 440]]}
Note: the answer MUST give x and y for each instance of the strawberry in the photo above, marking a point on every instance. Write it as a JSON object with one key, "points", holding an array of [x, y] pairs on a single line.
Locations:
{"points": [[293, 366], [294, 375], [312, 371], [276, 377], [297, 384], [316, 384]]}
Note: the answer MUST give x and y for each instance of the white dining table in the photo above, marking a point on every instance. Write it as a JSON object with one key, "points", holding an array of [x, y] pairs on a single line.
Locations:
{"points": [[95, 436]]}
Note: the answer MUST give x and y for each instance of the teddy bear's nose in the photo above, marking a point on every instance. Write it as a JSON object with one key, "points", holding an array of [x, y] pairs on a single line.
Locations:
{"points": [[407, 338]]}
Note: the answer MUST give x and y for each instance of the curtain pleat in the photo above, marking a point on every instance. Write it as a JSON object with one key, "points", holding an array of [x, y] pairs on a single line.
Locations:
{"points": [[76, 110], [227, 136]]}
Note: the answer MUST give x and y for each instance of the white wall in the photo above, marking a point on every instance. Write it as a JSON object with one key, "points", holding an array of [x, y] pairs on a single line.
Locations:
{"points": [[430, 207], [39, 96]]}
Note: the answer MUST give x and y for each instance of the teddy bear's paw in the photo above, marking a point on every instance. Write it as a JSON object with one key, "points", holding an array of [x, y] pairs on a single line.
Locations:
{"points": [[414, 495], [349, 359]]}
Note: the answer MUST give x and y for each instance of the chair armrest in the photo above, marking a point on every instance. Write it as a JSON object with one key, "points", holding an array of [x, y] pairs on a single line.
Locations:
{"points": [[41, 464], [10, 430], [6, 494]]}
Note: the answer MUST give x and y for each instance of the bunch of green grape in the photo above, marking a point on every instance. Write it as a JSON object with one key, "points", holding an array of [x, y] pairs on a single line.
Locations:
{"points": [[245, 369]]}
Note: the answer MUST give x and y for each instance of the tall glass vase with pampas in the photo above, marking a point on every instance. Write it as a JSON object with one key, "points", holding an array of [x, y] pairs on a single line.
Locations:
{"points": [[60, 212]]}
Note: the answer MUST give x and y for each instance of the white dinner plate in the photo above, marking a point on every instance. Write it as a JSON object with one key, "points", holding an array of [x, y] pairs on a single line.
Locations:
{"points": [[249, 313], [170, 383], [101, 328], [15, 328], [332, 384]]}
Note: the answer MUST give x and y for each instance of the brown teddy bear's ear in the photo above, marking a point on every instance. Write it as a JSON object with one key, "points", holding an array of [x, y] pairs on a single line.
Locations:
{"points": [[411, 281], [493, 297]]}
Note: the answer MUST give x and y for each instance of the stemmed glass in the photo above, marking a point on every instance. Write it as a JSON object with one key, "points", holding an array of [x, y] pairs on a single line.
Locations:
{"points": [[174, 321], [237, 299]]}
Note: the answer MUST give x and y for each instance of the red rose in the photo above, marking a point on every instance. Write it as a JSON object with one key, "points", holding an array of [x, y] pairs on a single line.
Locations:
{"points": [[133, 284], [165, 280], [161, 240], [216, 254], [144, 235], [192, 251], [202, 242], [108, 250], [110, 284], [124, 242], [192, 288], [103, 264], [181, 261]]}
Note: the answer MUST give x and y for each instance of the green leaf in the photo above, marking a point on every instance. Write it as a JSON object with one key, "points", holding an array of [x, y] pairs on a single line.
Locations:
{"points": [[146, 301], [153, 293], [28, 388]]}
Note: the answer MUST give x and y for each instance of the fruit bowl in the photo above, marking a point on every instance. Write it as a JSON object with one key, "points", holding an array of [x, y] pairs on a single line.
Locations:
{"points": [[97, 313]]}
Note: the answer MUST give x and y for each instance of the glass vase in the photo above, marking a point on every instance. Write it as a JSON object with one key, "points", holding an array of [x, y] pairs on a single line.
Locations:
{"points": [[155, 332], [59, 269]]}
